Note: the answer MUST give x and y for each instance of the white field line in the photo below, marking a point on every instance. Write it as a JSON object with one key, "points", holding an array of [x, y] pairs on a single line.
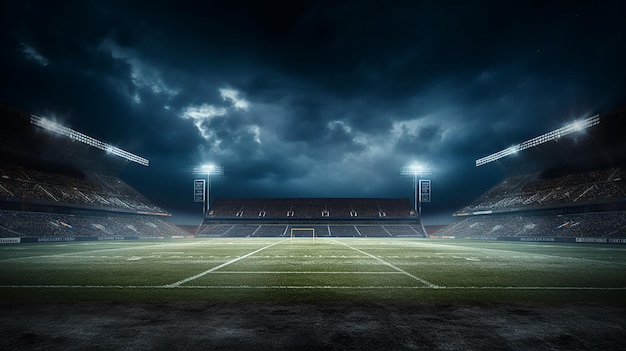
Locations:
{"points": [[383, 287], [78, 253], [520, 253], [318, 287], [425, 282], [180, 282], [303, 272]]}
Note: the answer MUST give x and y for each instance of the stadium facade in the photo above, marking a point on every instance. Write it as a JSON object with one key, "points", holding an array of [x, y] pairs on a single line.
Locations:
{"points": [[56, 187], [571, 188]]}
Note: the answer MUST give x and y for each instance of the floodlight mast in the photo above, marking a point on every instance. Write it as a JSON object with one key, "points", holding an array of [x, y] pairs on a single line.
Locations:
{"points": [[553, 135], [416, 171], [208, 170]]}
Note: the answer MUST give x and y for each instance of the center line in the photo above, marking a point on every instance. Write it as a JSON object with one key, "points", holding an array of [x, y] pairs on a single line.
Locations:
{"points": [[180, 282], [427, 283]]}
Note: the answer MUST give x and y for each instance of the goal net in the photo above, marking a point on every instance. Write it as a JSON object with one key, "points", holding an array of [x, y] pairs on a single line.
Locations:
{"points": [[302, 233]]}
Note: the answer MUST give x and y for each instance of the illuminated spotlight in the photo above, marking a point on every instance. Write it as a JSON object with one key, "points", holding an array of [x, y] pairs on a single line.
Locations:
{"points": [[513, 149], [78, 136], [578, 126], [208, 169], [414, 169], [574, 127]]}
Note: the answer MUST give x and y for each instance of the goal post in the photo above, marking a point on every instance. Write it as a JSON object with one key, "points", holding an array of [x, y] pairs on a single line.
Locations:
{"points": [[296, 232]]}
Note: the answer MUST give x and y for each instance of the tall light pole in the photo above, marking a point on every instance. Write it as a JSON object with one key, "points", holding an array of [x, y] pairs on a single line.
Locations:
{"points": [[208, 170], [417, 170]]}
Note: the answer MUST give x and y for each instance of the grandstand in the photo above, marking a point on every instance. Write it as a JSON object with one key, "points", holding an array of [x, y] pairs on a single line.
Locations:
{"points": [[55, 188], [330, 217], [571, 188]]}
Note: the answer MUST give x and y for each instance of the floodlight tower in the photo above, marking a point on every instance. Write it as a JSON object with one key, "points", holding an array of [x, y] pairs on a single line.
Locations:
{"points": [[208, 170], [417, 170]]}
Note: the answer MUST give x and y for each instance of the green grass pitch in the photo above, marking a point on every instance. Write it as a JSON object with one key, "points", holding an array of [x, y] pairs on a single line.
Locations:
{"points": [[326, 269]]}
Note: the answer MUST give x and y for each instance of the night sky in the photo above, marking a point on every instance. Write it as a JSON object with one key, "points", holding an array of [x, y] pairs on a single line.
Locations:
{"points": [[313, 99]]}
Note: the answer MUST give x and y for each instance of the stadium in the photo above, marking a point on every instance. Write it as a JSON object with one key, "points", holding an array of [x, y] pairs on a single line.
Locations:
{"points": [[80, 244], [559, 187]]}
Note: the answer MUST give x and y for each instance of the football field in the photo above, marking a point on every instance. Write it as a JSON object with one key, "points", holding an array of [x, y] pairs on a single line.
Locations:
{"points": [[314, 270]]}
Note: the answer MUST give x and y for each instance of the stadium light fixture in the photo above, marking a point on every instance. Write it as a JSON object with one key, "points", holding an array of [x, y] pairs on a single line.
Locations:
{"points": [[414, 169], [417, 170], [574, 127], [74, 135], [208, 169]]}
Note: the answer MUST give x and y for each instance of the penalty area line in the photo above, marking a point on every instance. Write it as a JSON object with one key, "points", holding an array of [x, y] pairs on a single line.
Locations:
{"points": [[180, 282], [423, 281]]}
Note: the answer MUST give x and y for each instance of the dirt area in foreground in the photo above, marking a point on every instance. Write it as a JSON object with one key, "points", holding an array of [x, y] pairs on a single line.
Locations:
{"points": [[264, 326]]}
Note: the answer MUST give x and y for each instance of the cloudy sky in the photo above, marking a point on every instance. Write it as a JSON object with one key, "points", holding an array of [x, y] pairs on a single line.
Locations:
{"points": [[313, 98]]}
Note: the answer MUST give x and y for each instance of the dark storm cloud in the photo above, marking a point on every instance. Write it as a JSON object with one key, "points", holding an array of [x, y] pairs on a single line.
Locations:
{"points": [[419, 140], [313, 98]]}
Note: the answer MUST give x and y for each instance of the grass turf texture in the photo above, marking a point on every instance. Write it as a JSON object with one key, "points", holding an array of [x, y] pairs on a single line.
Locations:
{"points": [[323, 270]]}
